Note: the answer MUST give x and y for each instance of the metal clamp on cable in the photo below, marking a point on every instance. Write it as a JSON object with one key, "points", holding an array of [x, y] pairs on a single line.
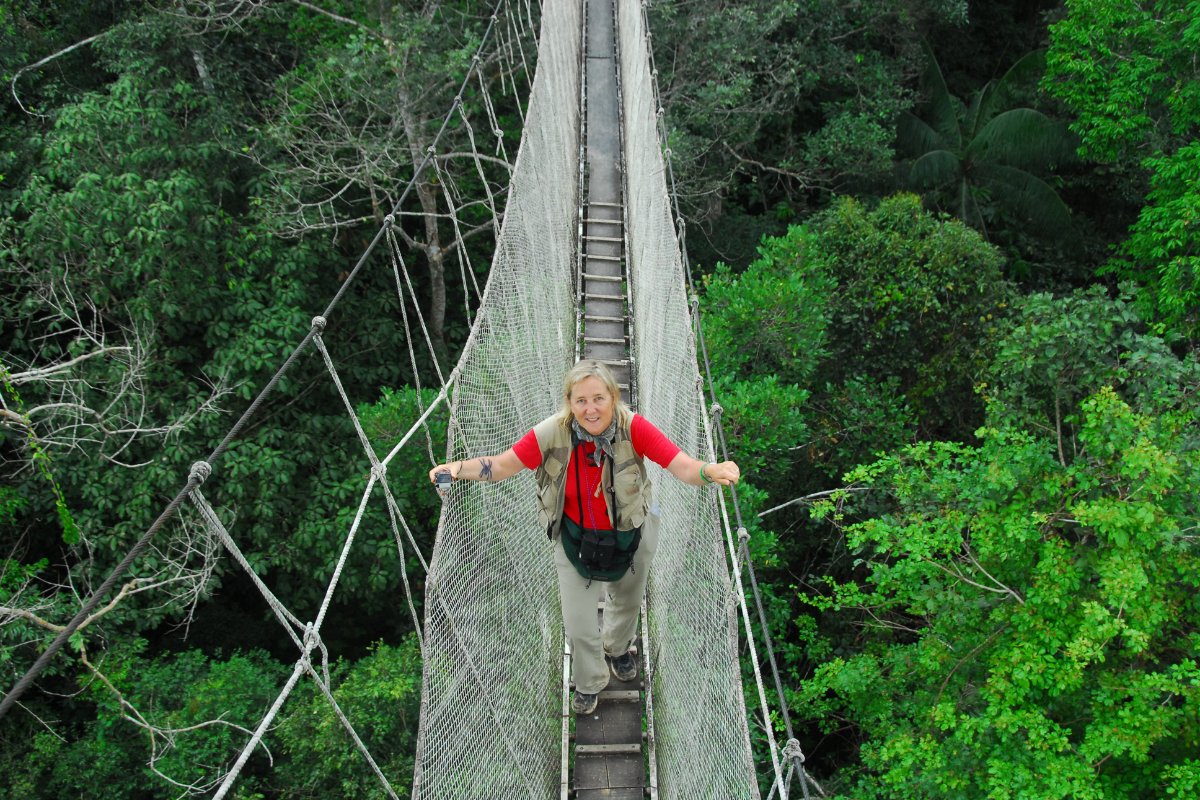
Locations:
{"points": [[200, 472], [318, 322]]}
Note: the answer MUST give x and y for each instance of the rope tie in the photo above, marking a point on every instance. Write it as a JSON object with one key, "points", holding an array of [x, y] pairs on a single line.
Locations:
{"points": [[791, 750], [430, 150], [200, 472], [318, 322], [379, 472], [661, 111], [717, 410], [389, 220], [743, 536], [311, 638], [695, 300]]}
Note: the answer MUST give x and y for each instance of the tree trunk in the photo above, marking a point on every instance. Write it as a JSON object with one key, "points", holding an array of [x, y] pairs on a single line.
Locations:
{"points": [[434, 256], [437, 273]]}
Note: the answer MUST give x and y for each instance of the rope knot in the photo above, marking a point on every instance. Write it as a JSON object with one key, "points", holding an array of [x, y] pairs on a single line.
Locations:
{"points": [[717, 410], [389, 220], [497, 132], [311, 638], [695, 300], [200, 471], [379, 472], [791, 751], [744, 535], [318, 322], [661, 111], [430, 150]]}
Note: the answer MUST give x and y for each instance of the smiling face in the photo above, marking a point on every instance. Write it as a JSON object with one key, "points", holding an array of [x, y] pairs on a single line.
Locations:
{"points": [[592, 405]]}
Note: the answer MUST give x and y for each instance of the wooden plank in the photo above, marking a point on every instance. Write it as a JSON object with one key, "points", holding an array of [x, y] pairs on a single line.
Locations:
{"points": [[610, 794], [606, 749]]}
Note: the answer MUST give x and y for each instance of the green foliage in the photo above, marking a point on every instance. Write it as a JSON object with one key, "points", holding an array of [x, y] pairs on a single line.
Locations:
{"points": [[1128, 72], [381, 695], [769, 320], [791, 96], [916, 301], [174, 693], [1032, 628], [1060, 350], [1163, 250], [310, 752], [981, 161]]}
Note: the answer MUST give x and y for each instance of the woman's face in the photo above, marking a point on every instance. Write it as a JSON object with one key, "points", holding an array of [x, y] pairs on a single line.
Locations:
{"points": [[592, 405]]}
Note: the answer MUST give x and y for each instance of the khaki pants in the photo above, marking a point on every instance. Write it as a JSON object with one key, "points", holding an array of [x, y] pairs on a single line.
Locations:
{"points": [[589, 644]]}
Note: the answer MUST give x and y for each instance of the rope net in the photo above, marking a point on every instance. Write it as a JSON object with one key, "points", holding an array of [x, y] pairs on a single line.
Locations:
{"points": [[491, 696], [702, 738]]}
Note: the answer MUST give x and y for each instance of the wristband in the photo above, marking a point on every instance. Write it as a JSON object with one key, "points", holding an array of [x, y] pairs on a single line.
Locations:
{"points": [[704, 477]]}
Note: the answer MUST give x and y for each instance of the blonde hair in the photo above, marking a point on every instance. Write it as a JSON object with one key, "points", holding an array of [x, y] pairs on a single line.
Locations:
{"points": [[588, 368]]}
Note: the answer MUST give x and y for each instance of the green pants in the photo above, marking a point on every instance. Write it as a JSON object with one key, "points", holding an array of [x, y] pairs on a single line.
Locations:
{"points": [[590, 643]]}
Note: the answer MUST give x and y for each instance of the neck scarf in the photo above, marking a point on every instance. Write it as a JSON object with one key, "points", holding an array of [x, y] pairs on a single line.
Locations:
{"points": [[603, 441]]}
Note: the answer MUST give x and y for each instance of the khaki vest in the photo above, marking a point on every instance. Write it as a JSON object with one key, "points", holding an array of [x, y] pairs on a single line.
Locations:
{"points": [[629, 486]]}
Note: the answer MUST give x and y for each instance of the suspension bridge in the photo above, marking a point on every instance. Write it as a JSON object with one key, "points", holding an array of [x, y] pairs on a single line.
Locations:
{"points": [[590, 261]]}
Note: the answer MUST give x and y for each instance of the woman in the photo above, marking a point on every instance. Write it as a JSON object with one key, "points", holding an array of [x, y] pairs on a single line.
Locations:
{"points": [[595, 501]]}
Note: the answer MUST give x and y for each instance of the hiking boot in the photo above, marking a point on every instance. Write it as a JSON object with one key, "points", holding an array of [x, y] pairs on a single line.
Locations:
{"points": [[624, 667], [584, 703]]}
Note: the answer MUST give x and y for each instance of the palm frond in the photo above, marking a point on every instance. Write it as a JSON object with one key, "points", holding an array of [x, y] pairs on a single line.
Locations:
{"points": [[978, 110], [915, 138], [1025, 139], [1021, 76], [933, 169], [941, 103], [1031, 201]]}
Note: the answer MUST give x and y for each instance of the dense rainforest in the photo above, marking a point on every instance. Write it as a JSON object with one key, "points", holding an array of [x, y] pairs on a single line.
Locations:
{"points": [[947, 253]]}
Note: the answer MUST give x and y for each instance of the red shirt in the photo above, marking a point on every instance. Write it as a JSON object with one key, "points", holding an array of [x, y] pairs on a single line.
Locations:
{"points": [[648, 442]]}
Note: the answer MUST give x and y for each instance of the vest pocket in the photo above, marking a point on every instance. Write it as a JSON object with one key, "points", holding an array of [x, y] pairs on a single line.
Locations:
{"points": [[630, 489]]}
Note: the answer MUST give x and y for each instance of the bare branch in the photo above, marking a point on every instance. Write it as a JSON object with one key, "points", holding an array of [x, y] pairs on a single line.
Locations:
{"points": [[345, 20], [47, 60]]}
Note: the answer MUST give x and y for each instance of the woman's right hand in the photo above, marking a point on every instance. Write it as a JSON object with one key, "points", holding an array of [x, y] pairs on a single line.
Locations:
{"points": [[451, 468]]}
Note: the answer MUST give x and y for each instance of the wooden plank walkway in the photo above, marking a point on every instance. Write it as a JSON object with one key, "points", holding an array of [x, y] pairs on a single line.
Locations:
{"points": [[609, 744]]}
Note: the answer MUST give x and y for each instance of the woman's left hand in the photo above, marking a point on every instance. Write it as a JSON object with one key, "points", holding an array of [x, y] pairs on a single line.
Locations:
{"points": [[724, 473]]}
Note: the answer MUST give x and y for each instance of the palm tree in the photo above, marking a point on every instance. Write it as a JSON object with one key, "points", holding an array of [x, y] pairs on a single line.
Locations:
{"points": [[985, 151]]}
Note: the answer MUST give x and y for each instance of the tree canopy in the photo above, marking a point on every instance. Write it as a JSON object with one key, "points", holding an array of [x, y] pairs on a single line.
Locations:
{"points": [[967, 416]]}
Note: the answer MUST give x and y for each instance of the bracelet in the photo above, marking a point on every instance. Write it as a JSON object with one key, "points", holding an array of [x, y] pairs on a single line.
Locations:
{"points": [[704, 477]]}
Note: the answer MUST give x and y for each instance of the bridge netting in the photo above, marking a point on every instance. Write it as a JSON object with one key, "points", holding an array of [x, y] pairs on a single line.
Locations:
{"points": [[490, 724]]}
